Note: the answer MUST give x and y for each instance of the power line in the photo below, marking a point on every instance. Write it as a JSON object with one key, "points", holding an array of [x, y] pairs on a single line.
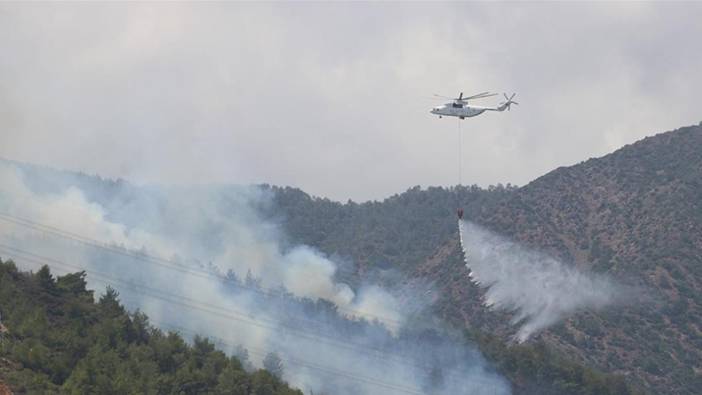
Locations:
{"points": [[262, 353], [326, 338], [162, 261], [223, 312], [259, 351], [180, 268]]}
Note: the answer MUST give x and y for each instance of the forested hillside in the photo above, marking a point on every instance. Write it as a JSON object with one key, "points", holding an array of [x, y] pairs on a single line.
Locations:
{"points": [[635, 214], [56, 339]]}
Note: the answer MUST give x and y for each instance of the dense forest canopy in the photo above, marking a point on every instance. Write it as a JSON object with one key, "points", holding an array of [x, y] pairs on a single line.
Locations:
{"points": [[58, 339]]}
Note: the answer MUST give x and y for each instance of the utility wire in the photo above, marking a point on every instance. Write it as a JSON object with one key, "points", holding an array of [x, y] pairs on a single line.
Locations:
{"points": [[222, 312], [203, 274], [460, 155], [256, 351], [286, 358], [163, 262]]}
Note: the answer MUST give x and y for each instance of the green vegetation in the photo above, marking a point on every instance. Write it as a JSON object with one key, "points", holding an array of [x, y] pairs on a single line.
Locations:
{"points": [[401, 231], [536, 368], [635, 215], [59, 340]]}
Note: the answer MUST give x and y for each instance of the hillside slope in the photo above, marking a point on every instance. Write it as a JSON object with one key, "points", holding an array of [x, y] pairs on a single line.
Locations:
{"points": [[635, 214], [531, 369]]}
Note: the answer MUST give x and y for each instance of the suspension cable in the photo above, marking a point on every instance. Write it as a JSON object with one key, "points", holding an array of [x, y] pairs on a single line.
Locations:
{"points": [[460, 156]]}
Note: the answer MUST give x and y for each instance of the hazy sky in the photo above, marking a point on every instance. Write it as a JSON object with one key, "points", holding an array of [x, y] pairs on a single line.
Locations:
{"points": [[334, 98]]}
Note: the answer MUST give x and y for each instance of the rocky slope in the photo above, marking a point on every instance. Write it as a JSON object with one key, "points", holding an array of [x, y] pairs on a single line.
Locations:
{"points": [[635, 214]]}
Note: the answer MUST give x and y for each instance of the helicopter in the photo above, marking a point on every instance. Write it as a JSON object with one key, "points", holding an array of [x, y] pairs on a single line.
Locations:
{"points": [[460, 108]]}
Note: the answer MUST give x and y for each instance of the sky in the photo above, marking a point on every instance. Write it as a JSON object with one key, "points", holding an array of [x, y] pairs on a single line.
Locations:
{"points": [[334, 98]]}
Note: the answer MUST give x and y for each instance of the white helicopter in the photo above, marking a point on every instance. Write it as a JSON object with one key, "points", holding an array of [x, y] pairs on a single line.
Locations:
{"points": [[460, 108]]}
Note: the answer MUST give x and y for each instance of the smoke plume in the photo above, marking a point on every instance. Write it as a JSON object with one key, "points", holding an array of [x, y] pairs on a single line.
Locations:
{"points": [[539, 289], [202, 260]]}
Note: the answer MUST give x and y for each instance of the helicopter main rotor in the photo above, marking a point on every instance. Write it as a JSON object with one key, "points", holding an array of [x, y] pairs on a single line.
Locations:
{"points": [[461, 99]]}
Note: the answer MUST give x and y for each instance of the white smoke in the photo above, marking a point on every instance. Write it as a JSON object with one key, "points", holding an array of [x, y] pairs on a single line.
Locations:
{"points": [[218, 231], [539, 289], [249, 249]]}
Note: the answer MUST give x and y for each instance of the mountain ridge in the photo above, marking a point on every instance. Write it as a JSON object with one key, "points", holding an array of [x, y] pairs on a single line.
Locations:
{"points": [[633, 214]]}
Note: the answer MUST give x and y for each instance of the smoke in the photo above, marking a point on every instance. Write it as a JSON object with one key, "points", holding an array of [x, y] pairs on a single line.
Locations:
{"points": [[539, 289], [202, 260]]}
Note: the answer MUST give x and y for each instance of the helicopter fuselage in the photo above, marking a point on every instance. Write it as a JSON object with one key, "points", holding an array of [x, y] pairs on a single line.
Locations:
{"points": [[461, 111]]}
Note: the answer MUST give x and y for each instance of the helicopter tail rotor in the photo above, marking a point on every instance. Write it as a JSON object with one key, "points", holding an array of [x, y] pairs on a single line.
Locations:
{"points": [[508, 103]]}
